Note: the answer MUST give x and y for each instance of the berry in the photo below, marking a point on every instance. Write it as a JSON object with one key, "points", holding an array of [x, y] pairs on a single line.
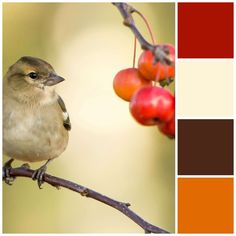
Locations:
{"points": [[157, 71], [127, 82], [152, 105], [168, 128]]}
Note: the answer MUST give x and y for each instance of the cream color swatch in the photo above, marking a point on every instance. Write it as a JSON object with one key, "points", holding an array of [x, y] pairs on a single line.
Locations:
{"points": [[205, 88]]}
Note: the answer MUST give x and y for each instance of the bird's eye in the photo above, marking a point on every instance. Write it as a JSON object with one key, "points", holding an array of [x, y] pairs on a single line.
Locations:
{"points": [[33, 75]]}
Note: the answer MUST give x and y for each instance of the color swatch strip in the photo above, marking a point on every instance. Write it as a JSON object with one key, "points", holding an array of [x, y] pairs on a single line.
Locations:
{"points": [[205, 136]]}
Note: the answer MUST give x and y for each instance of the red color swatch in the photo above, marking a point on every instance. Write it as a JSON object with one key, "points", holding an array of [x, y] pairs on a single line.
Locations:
{"points": [[205, 205], [205, 30]]}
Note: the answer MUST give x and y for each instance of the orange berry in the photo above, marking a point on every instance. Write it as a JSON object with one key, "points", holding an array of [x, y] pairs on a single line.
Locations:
{"points": [[156, 71], [127, 82]]}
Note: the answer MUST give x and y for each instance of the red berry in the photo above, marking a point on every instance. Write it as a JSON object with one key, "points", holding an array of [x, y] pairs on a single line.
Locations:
{"points": [[157, 71], [168, 128], [127, 82], [151, 105]]}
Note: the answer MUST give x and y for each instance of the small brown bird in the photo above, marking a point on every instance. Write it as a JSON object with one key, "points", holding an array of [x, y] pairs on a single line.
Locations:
{"points": [[35, 120]]}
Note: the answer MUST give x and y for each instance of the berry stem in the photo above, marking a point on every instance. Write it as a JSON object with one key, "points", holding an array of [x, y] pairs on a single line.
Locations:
{"points": [[135, 47], [152, 37], [148, 26]]}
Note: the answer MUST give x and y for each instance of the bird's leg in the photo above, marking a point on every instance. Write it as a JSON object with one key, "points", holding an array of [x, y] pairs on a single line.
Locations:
{"points": [[39, 173], [6, 172]]}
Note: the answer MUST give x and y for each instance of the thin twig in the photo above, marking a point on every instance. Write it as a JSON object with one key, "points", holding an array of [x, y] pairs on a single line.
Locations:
{"points": [[160, 52], [84, 191]]}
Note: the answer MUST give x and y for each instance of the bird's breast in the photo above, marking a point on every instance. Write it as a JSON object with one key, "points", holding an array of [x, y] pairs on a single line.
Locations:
{"points": [[34, 134]]}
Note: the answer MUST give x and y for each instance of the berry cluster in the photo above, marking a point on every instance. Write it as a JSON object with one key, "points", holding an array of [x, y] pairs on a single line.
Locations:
{"points": [[143, 87]]}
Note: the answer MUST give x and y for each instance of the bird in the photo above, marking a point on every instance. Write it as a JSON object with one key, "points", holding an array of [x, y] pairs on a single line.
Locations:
{"points": [[36, 123]]}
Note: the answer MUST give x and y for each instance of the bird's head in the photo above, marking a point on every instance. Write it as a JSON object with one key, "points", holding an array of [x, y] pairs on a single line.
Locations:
{"points": [[31, 71]]}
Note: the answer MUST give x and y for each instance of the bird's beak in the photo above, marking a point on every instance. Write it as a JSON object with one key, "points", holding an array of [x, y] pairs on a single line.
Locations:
{"points": [[53, 79]]}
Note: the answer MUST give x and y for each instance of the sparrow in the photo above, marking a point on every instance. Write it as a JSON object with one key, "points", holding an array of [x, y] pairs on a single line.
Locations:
{"points": [[35, 119]]}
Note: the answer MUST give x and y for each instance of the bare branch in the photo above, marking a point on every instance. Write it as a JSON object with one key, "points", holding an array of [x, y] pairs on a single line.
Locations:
{"points": [[84, 191]]}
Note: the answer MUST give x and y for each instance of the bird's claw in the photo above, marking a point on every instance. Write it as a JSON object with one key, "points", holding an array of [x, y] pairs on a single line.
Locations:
{"points": [[39, 175], [6, 172]]}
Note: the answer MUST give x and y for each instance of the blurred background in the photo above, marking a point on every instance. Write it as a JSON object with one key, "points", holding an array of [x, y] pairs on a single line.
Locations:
{"points": [[108, 151]]}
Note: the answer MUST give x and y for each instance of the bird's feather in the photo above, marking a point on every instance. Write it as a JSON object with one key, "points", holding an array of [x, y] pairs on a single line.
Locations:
{"points": [[66, 121]]}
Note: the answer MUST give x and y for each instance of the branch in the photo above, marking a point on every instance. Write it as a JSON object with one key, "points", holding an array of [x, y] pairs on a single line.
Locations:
{"points": [[84, 191], [160, 52]]}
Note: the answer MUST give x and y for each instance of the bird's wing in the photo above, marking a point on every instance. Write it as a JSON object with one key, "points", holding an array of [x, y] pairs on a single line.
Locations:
{"points": [[66, 118]]}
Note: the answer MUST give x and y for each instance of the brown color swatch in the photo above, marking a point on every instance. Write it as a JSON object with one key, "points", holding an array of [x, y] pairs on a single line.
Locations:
{"points": [[205, 147], [205, 205]]}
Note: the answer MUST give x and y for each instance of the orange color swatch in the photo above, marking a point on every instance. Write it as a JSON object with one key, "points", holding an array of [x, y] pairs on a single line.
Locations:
{"points": [[205, 205]]}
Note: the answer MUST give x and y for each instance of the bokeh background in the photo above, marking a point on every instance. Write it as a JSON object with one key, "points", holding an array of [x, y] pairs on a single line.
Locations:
{"points": [[108, 151]]}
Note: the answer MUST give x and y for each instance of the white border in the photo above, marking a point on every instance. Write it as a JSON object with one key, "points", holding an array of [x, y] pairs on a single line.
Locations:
{"points": [[93, 1], [205, 118], [205, 176], [176, 91], [176, 118]]}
